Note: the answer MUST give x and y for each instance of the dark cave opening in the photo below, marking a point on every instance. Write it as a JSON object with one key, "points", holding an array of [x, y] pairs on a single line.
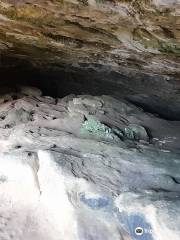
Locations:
{"points": [[168, 109], [57, 81], [61, 80]]}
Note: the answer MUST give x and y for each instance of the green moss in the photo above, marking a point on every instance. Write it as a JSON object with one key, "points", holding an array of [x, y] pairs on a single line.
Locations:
{"points": [[170, 48], [96, 128]]}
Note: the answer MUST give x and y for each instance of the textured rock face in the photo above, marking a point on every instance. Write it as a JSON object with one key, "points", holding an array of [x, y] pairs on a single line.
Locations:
{"points": [[102, 163], [119, 48], [141, 35], [69, 169]]}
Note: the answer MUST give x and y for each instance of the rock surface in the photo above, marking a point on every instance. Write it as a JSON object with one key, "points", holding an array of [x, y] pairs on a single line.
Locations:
{"points": [[141, 35], [121, 48], [104, 162], [61, 183]]}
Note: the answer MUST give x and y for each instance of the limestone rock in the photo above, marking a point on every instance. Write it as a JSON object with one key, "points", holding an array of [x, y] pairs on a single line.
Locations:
{"points": [[57, 184]]}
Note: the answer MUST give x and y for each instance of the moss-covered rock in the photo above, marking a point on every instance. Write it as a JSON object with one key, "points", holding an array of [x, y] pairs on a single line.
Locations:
{"points": [[95, 128], [170, 48]]}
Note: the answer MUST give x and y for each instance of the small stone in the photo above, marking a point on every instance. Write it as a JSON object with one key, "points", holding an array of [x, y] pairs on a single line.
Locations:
{"points": [[136, 132]]}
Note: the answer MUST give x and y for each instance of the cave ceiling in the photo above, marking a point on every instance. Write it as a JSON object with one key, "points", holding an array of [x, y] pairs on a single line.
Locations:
{"points": [[135, 39], [141, 35]]}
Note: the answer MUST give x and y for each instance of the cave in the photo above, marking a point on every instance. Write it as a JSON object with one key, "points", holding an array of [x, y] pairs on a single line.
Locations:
{"points": [[89, 120], [60, 80]]}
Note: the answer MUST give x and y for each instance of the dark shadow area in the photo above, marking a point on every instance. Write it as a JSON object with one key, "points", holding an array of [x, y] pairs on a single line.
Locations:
{"points": [[168, 109], [60, 80]]}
